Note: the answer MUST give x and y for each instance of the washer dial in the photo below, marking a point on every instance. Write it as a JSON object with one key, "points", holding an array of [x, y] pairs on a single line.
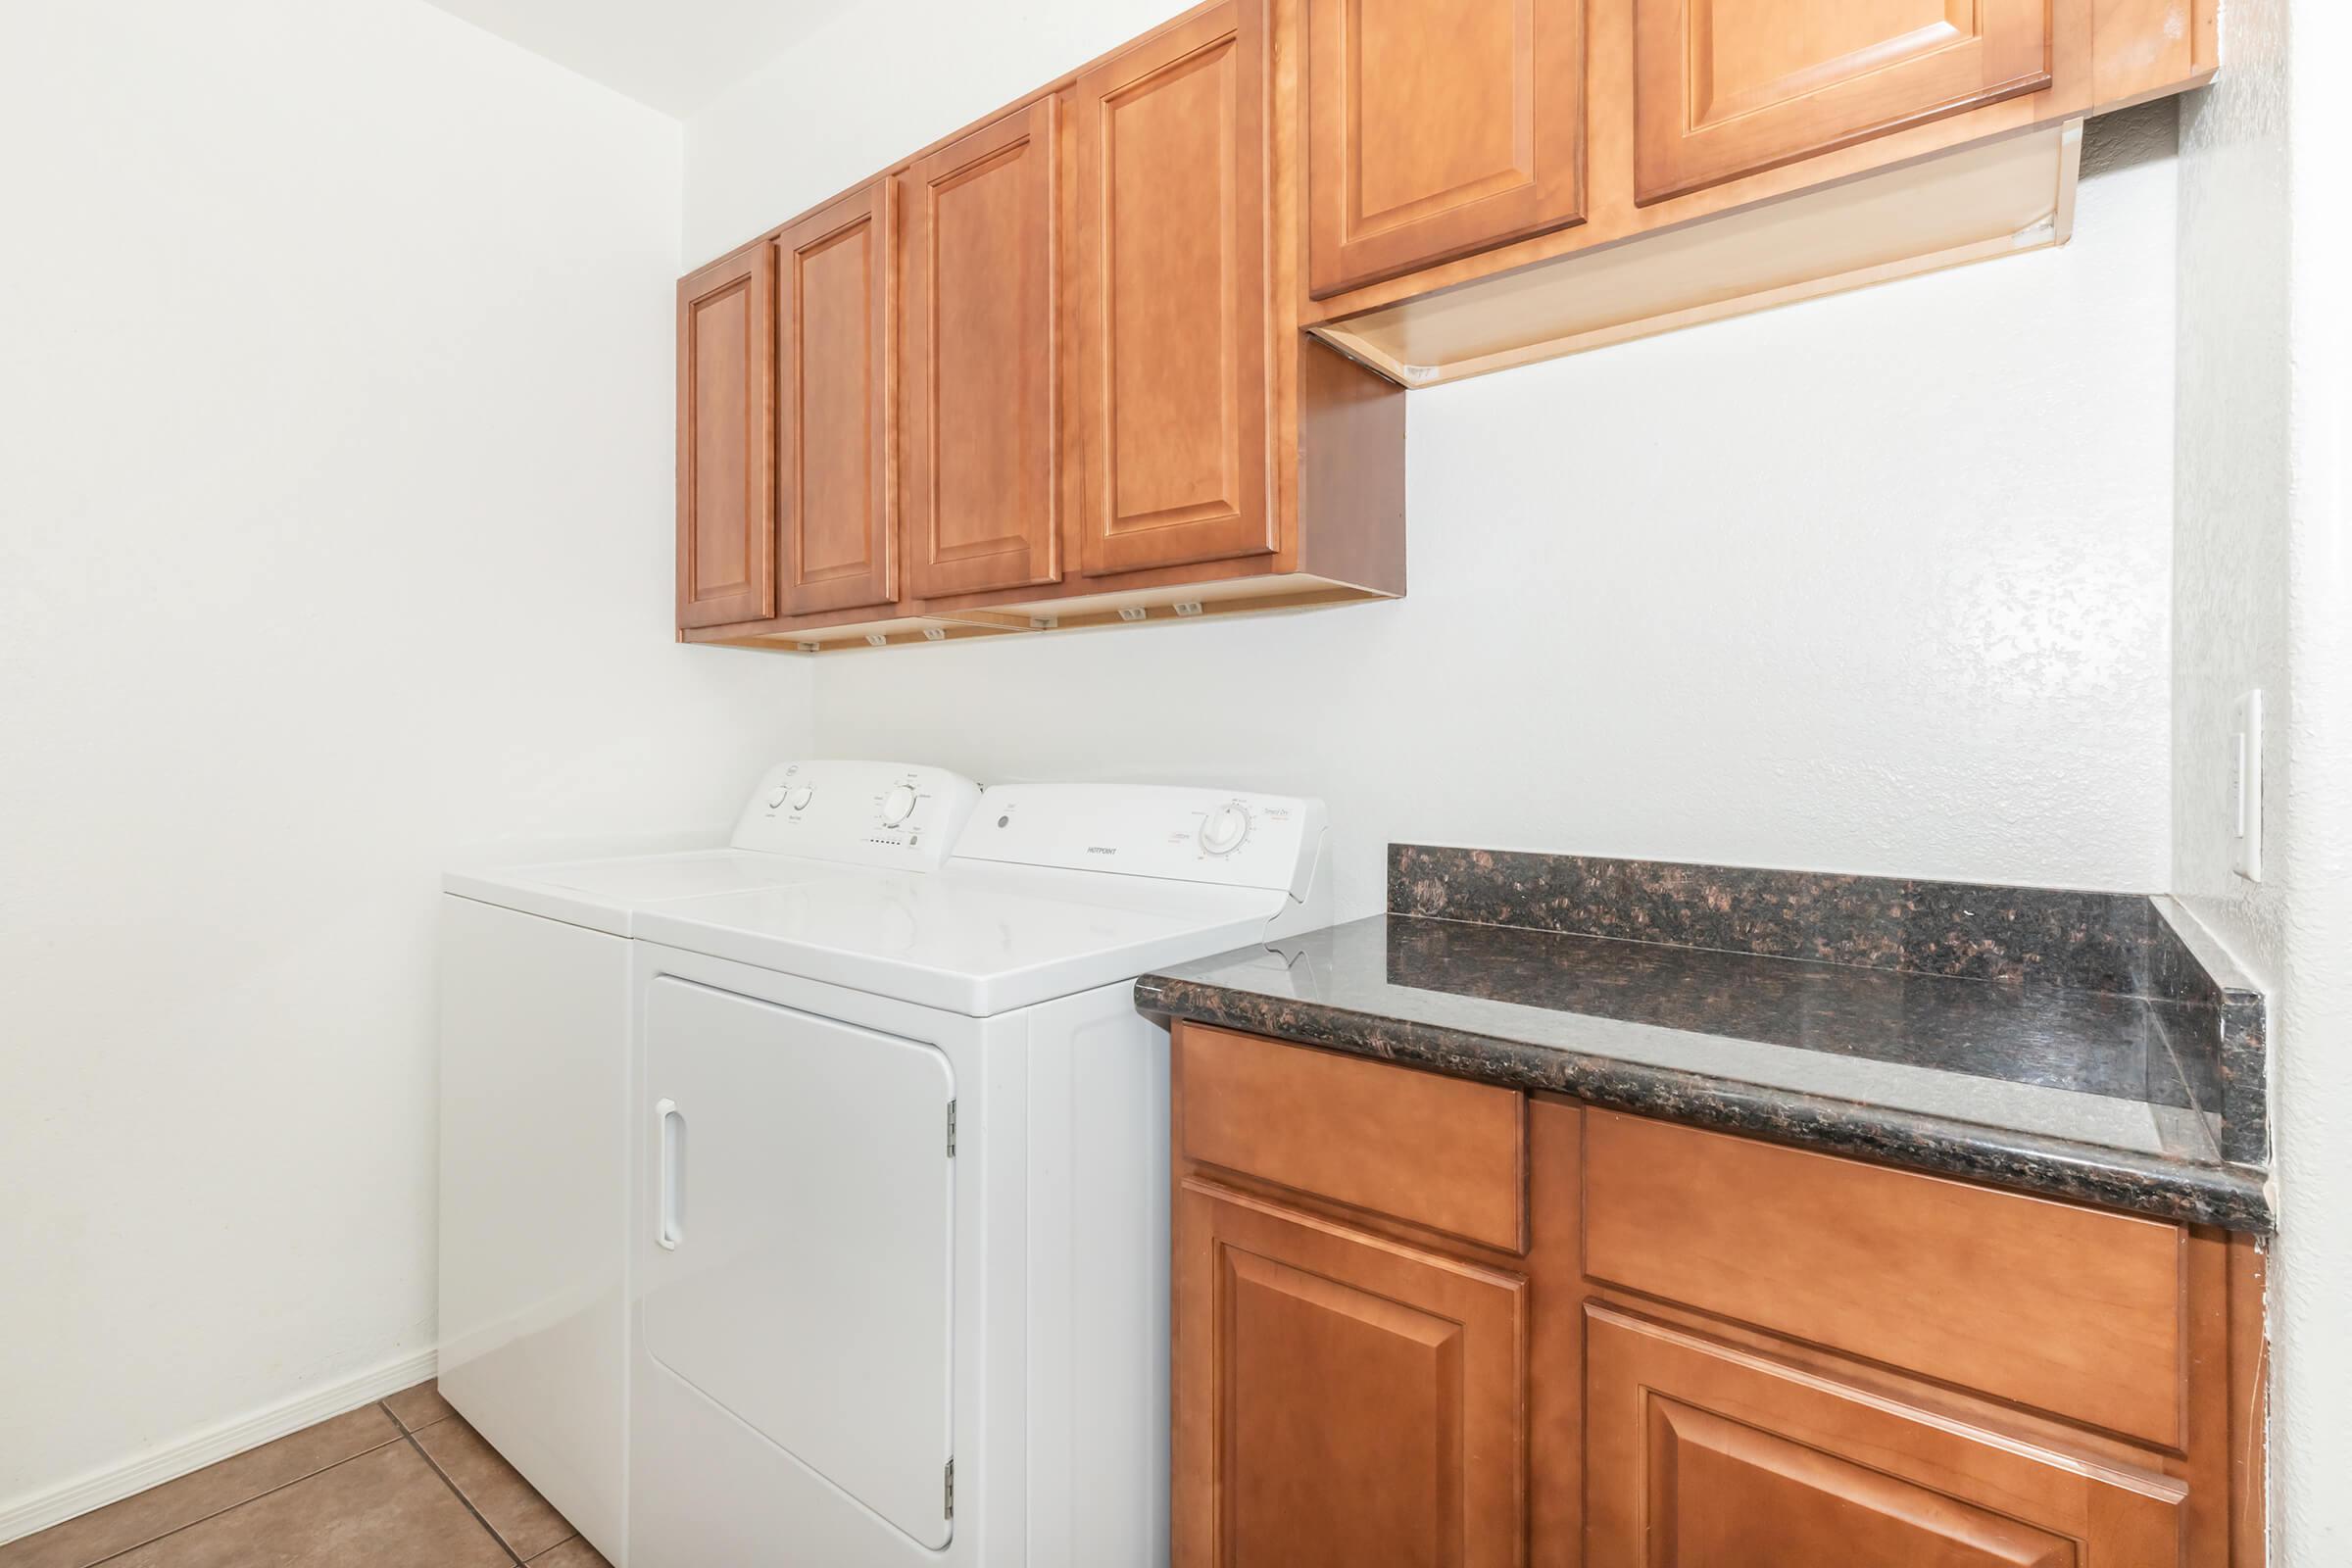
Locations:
{"points": [[897, 806]]}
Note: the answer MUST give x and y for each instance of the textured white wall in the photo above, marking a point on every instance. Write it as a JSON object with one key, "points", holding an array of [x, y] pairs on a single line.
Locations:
{"points": [[2262, 562], [2313, 1084], [335, 532], [2230, 535], [1875, 583], [870, 85]]}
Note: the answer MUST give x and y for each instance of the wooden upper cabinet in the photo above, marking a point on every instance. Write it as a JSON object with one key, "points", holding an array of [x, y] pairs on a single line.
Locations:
{"points": [[1437, 127], [1173, 296], [1702, 1455], [836, 370], [1341, 1398], [726, 453], [983, 359], [1728, 87]]}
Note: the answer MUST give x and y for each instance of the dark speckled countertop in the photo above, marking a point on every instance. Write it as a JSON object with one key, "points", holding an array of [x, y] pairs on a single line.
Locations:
{"points": [[2062, 1089]]}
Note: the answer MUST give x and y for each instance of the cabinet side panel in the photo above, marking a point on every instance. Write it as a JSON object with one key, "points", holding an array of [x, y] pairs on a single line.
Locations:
{"points": [[1350, 524]]}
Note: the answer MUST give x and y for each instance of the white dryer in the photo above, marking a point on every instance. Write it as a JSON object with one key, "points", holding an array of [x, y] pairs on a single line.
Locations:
{"points": [[899, 1273], [537, 1015]]}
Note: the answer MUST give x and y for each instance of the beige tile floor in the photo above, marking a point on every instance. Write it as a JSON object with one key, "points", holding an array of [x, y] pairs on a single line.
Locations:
{"points": [[404, 1481]]}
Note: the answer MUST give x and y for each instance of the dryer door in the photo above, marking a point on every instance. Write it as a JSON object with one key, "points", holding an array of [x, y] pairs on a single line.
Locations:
{"points": [[804, 1198]]}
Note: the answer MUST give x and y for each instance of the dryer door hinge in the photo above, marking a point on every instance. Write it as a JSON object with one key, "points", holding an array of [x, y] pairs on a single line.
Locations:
{"points": [[951, 1489], [951, 1129]]}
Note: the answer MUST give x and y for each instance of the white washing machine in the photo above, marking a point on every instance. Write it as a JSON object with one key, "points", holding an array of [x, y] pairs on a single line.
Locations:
{"points": [[900, 1274], [537, 1017]]}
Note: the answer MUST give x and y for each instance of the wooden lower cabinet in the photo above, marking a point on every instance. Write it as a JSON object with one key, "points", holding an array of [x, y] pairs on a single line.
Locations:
{"points": [[1997, 1285], [1341, 1399], [1704, 1455], [1701, 1351]]}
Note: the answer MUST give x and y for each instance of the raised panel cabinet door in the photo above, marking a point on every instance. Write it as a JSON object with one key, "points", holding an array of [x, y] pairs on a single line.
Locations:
{"points": [[1341, 1398], [726, 451], [1699, 1454], [835, 419], [1439, 127], [1173, 297], [983, 356], [1727, 88]]}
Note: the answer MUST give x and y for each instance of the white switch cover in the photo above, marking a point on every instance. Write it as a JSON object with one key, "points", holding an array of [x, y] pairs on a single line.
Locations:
{"points": [[2246, 800]]}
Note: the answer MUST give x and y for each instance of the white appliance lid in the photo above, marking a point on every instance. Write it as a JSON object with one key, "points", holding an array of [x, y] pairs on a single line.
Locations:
{"points": [[606, 895], [802, 818], [974, 937]]}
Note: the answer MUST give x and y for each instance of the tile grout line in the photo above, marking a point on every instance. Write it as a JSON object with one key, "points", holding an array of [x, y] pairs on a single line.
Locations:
{"points": [[457, 1492], [115, 1556]]}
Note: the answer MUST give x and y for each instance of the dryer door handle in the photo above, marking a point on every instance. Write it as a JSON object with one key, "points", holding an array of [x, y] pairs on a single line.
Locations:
{"points": [[669, 1204]]}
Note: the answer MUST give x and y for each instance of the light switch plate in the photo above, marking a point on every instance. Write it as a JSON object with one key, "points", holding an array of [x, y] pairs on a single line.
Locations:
{"points": [[2245, 794]]}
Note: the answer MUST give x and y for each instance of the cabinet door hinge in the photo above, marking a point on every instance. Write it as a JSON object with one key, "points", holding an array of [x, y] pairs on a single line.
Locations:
{"points": [[951, 1489], [951, 1129]]}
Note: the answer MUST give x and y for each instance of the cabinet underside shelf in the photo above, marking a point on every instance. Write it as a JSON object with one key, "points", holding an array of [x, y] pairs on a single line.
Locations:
{"points": [[1997, 199], [1258, 595]]}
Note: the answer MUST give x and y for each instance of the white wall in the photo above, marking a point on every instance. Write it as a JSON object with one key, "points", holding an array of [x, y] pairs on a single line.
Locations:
{"points": [[1901, 608], [2263, 552], [2230, 538], [335, 532], [870, 85], [2312, 1070]]}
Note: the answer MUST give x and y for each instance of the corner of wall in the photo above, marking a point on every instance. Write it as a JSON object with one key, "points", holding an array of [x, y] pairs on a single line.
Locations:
{"points": [[2232, 473]]}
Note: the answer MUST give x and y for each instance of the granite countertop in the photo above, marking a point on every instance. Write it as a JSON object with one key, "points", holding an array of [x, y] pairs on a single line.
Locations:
{"points": [[2065, 1089]]}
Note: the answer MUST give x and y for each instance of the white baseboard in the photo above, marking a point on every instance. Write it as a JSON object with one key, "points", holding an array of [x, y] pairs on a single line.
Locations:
{"points": [[21, 1516]]}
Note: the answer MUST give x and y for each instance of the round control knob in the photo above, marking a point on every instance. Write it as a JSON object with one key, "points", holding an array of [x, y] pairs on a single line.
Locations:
{"points": [[897, 806], [799, 797], [775, 796], [1223, 829]]}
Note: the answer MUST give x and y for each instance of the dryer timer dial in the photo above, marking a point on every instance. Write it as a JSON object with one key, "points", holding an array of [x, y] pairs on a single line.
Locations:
{"points": [[1223, 829]]}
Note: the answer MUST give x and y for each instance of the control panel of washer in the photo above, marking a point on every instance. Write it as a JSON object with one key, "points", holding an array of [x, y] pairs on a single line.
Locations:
{"points": [[1232, 838], [897, 814]]}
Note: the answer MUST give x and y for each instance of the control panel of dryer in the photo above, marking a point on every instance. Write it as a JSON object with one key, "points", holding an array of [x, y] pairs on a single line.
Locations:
{"points": [[899, 815], [1228, 837]]}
